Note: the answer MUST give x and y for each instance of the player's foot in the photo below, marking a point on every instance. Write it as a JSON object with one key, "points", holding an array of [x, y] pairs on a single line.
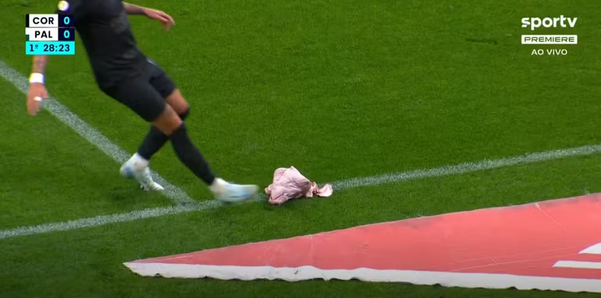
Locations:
{"points": [[132, 170], [232, 193]]}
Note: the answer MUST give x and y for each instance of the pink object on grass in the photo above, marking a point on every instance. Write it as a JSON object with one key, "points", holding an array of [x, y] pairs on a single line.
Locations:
{"points": [[289, 183]]}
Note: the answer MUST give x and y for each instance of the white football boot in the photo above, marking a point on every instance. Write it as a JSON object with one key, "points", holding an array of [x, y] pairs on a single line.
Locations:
{"points": [[233, 193], [140, 173]]}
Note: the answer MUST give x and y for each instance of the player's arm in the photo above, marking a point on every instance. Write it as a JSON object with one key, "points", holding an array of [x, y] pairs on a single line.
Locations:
{"points": [[37, 90], [39, 64], [133, 9], [154, 14]]}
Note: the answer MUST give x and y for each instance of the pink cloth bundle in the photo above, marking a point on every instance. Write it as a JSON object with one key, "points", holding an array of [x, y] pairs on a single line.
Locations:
{"points": [[289, 183]]}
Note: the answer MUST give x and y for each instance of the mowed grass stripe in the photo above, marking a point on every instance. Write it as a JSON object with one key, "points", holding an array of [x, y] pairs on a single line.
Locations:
{"points": [[89, 133], [340, 185]]}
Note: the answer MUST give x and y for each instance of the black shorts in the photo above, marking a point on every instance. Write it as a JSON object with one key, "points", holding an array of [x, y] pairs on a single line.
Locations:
{"points": [[144, 94]]}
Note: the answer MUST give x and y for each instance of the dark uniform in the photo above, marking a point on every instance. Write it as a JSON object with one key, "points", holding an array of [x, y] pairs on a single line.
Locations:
{"points": [[121, 70]]}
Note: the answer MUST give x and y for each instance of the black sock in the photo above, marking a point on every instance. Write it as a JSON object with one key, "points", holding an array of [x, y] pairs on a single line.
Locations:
{"points": [[189, 155], [155, 139]]}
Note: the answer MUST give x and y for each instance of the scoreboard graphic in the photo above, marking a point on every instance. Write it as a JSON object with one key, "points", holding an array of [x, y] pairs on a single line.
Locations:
{"points": [[49, 34]]}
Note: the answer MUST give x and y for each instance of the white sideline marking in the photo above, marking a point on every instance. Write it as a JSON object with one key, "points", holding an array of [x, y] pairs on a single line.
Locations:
{"points": [[107, 219], [486, 164], [340, 185], [88, 132]]}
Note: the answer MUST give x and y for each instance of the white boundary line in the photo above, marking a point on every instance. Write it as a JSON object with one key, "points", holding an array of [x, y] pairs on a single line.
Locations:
{"points": [[88, 132], [340, 185], [486, 164], [107, 219]]}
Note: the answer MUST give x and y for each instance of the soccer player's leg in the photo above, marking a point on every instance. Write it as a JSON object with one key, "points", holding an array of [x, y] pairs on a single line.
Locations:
{"points": [[155, 139], [172, 125], [134, 94], [165, 86]]}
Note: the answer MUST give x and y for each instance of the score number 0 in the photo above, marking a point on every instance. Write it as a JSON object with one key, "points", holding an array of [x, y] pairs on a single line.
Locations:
{"points": [[67, 33]]}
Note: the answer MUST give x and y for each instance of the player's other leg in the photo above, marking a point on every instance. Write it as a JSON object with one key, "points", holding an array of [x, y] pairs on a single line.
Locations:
{"points": [[172, 125], [155, 139], [132, 92], [152, 143]]}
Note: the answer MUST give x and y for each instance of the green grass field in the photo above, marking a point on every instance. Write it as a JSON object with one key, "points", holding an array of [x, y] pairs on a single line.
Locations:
{"points": [[338, 89]]}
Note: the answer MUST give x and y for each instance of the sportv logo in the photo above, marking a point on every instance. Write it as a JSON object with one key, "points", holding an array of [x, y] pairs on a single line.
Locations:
{"points": [[549, 22]]}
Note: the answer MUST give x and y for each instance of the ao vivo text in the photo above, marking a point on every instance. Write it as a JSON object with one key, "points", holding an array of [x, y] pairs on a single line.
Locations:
{"points": [[549, 52]]}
